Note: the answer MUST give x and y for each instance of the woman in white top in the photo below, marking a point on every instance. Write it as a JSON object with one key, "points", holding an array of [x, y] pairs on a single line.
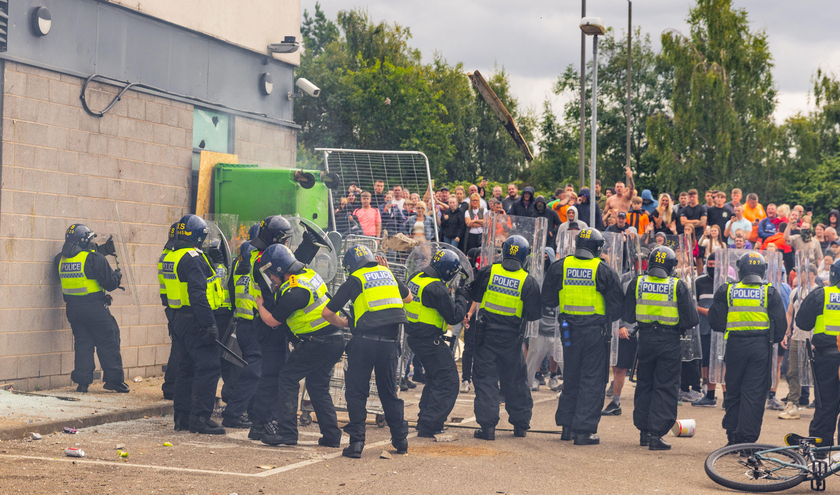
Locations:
{"points": [[474, 218], [711, 241]]}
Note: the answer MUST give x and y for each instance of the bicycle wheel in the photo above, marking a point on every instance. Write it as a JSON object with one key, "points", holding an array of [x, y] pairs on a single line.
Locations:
{"points": [[737, 467]]}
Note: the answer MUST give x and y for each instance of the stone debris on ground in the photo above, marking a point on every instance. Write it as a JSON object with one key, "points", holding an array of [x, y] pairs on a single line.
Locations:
{"points": [[34, 436], [445, 438], [384, 455]]}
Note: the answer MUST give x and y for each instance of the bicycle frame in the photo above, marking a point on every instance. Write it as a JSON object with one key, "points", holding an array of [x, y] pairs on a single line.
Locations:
{"points": [[817, 474]]}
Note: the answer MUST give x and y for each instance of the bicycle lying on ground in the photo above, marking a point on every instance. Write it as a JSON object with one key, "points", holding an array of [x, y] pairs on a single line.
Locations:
{"points": [[754, 467]]}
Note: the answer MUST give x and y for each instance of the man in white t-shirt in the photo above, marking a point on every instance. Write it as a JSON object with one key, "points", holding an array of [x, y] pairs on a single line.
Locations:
{"points": [[399, 199]]}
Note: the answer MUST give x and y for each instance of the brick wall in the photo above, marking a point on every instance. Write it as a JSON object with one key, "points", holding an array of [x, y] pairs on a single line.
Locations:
{"points": [[265, 144], [61, 165]]}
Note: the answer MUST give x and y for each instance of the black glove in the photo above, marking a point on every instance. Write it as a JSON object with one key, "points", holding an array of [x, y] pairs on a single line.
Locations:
{"points": [[310, 237], [108, 299], [463, 292], [216, 255], [209, 335]]}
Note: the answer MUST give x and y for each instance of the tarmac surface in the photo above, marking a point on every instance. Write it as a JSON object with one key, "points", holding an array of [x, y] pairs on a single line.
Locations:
{"points": [[539, 463]]}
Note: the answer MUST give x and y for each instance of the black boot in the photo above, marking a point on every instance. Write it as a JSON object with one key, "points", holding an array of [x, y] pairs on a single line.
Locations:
{"points": [[656, 443], [519, 432], [401, 445], [584, 438], [240, 421], [354, 450], [324, 442], [644, 438], [425, 432], [182, 421], [272, 435], [205, 425], [567, 434], [119, 387], [82, 388], [485, 433], [257, 431]]}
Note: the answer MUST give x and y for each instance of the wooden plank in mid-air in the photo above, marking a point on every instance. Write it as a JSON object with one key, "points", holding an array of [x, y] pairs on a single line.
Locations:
{"points": [[501, 112]]}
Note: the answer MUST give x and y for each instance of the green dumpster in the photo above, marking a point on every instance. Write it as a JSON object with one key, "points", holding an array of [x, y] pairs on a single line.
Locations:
{"points": [[254, 193]]}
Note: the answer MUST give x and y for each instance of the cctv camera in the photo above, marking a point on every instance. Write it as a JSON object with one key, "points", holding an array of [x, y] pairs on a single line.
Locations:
{"points": [[308, 87], [289, 45]]}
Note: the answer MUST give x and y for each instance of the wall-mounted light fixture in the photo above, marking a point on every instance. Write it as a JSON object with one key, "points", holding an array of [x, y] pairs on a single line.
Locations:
{"points": [[289, 45], [266, 83], [41, 21]]}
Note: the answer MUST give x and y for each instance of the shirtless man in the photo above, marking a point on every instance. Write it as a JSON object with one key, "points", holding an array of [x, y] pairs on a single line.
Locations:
{"points": [[620, 201]]}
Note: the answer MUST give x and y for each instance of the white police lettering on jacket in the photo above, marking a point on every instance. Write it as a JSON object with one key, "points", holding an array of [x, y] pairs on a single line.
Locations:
{"points": [[579, 273], [746, 294], [654, 288], [834, 298], [71, 267], [508, 283]]}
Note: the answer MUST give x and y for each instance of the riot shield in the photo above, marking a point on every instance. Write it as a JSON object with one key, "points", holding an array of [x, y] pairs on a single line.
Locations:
{"points": [[613, 255], [804, 287], [114, 245], [626, 278], [725, 273], [498, 227], [691, 348], [634, 260], [422, 255], [223, 228], [325, 259], [566, 243]]}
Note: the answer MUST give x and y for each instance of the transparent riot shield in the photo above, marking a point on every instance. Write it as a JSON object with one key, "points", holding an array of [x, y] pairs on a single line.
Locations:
{"points": [[804, 264], [613, 255], [325, 260], [422, 255], [114, 244], [626, 278], [223, 228], [557, 352], [634, 260], [726, 272], [691, 348], [498, 227], [566, 243]]}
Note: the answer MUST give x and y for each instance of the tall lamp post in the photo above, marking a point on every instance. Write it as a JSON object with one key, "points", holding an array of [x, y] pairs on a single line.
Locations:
{"points": [[593, 26]]}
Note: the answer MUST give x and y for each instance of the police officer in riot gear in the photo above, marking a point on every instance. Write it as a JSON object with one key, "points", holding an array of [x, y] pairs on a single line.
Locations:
{"points": [[85, 278], [273, 345], [193, 295], [429, 313], [243, 381], [588, 293], [301, 297], [752, 315], [377, 314], [663, 307], [820, 310], [507, 298]]}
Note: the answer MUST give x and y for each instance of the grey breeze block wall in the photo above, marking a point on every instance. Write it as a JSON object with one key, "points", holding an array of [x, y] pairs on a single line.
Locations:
{"points": [[61, 165]]}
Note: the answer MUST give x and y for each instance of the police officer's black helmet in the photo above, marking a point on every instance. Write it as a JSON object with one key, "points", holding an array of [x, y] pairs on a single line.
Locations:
{"points": [[273, 230], [245, 250], [588, 244], [834, 273], [193, 230], [170, 241], [278, 260], [79, 235], [356, 257], [661, 262], [446, 263], [253, 232], [516, 248], [751, 268]]}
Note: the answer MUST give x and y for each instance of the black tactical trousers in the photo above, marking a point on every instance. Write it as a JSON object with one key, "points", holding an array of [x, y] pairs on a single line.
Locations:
{"points": [[658, 381], [95, 330], [584, 377], [441, 389], [247, 378], [273, 349], [826, 362], [498, 362], [747, 382], [198, 370]]}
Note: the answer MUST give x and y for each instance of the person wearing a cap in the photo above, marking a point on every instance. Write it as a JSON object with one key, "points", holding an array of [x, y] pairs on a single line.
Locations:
{"points": [[620, 225], [835, 248]]}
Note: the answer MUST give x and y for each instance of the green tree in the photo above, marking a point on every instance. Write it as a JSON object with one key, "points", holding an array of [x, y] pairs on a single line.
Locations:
{"points": [[456, 96], [651, 89], [719, 131]]}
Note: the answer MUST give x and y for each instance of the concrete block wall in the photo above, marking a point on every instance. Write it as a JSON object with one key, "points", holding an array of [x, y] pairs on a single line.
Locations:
{"points": [[265, 144], [60, 166]]}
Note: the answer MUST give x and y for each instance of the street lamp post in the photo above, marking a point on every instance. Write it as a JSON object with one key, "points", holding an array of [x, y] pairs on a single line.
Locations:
{"points": [[593, 26]]}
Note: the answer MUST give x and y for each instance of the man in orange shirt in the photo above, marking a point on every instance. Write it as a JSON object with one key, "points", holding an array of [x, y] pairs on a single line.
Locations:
{"points": [[569, 198], [755, 213]]}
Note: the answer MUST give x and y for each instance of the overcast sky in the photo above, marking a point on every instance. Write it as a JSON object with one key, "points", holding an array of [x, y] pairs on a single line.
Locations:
{"points": [[534, 40]]}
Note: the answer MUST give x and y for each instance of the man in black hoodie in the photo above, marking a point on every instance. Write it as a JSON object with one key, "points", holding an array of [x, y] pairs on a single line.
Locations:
{"points": [[583, 209], [524, 206], [540, 210]]}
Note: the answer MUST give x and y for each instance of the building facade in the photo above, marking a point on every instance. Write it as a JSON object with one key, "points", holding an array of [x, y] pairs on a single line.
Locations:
{"points": [[197, 71]]}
